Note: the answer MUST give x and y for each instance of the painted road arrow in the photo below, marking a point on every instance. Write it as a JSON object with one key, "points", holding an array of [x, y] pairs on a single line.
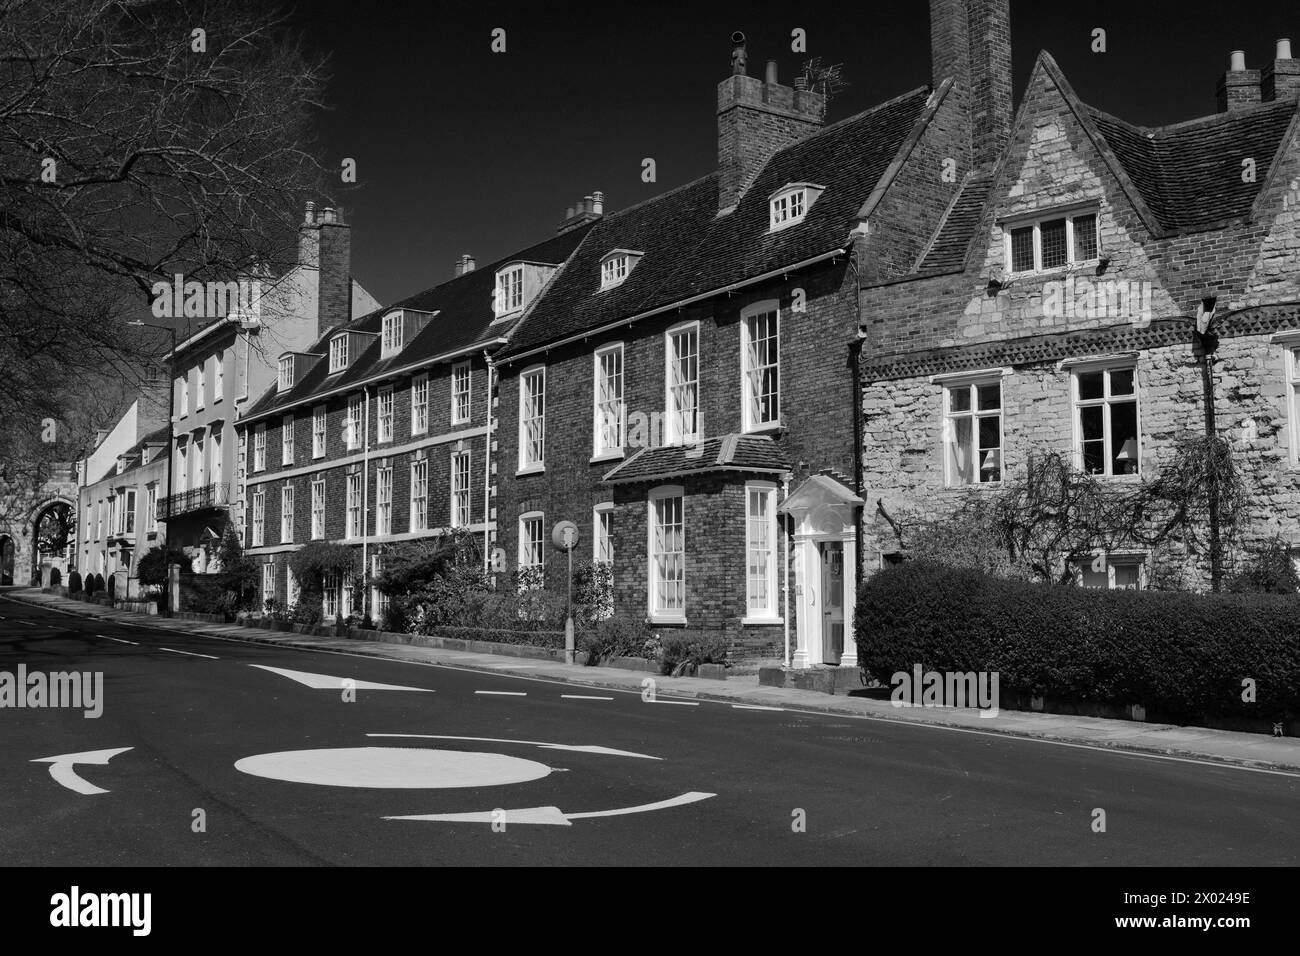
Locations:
{"points": [[552, 816], [326, 682], [584, 748], [61, 768]]}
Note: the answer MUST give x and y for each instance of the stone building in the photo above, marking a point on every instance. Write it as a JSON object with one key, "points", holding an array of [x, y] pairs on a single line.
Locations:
{"points": [[1101, 290]]}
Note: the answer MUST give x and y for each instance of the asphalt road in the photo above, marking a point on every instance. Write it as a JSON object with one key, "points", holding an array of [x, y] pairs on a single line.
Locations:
{"points": [[866, 791]]}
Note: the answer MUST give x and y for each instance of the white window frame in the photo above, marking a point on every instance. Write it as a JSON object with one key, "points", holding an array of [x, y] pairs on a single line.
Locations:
{"points": [[602, 533], [319, 431], [259, 447], [601, 411], [419, 516], [767, 613], [201, 386], [658, 614], [218, 466], [318, 510], [462, 396], [338, 353], [352, 527], [151, 505], [508, 297], [971, 384], [378, 599], [286, 440], [219, 379], [1111, 560], [384, 500], [616, 266], [184, 396], [259, 518], [291, 589], [284, 380], [789, 205], [749, 402], [392, 333], [527, 462], [1069, 214], [673, 433], [1105, 402], [384, 418], [352, 418], [128, 511], [286, 514], [268, 583], [331, 586], [1291, 344], [420, 405], [532, 550], [460, 497]]}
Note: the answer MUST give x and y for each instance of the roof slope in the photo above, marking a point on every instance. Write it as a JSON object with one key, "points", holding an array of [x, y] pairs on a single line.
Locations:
{"points": [[463, 321], [744, 453], [690, 250], [1189, 174], [947, 250]]}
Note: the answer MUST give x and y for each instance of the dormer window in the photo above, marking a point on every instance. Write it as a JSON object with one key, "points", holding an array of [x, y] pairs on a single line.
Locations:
{"points": [[1054, 241], [791, 204], [615, 267], [510, 290], [338, 353], [286, 373], [392, 338]]}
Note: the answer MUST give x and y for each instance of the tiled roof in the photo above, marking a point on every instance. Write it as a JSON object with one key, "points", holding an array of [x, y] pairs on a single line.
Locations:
{"points": [[744, 453], [1190, 174], [690, 250], [947, 251], [464, 319]]}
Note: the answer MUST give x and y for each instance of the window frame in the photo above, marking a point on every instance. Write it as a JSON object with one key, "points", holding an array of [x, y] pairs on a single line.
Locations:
{"points": [[599, 451], [540, 542], [268, 582], [672, 436], [318, 493], [421, 465], [777, 219], [287, 437], [460, 498], [770, 613], [259, 447], [392, 333], [971, 383], [1140, 559], [1291, 361], [1106, 367], [420, 408], [286, 513], [219, 379], [385, 393], [200, 385], [259, 518], [353, 527], [456, 393], [1036, 222], [748, 422], [339, 353], [285, 376], [526, 463], [353, 417], [384, 502], [602, 514], [502, 292], [657, 614]]}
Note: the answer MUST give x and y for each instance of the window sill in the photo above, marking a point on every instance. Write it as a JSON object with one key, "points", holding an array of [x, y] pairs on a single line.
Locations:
{"points": [[1068, 269], [781, 227], [667, 619], [607, 456], [975, 485], [530, 470], [767, 429], [461, 421], [757, 621]]}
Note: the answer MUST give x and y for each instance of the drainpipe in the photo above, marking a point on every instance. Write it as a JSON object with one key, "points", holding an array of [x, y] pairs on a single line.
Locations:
{"points": [[855, 363], [487, 464], [785, 564], [365, 502], [1206, 343]]}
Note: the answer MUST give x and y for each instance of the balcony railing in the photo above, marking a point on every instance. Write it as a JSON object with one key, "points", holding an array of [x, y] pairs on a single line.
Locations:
{"points": [[202, 498]]}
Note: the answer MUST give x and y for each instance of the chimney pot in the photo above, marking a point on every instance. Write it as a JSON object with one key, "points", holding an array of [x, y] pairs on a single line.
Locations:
{"points": [[598, 203], [568, 213], [310, 219], [1281, 79], [1284, 49], [738, 67], [327, 214], [771, 72], [469, 263], [1237, 61]]}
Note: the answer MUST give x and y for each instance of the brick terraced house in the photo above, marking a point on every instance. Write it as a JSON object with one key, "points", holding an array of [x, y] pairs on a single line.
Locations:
{"points": [[378, 431], [684, 390], [1101, 291]]}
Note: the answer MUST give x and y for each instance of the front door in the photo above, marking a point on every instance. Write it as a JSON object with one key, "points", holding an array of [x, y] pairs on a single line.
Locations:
{"points": [[832, 555]]}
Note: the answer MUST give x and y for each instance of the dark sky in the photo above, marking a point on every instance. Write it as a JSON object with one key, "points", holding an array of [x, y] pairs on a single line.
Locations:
{"points": [[460, 149]]}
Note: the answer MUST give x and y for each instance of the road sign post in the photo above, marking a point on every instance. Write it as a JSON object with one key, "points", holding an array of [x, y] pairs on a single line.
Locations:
{"points": [[565, 537]]}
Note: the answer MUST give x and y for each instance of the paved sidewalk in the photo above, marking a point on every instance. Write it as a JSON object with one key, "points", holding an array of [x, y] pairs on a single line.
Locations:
{"points": [[1252, 750]]}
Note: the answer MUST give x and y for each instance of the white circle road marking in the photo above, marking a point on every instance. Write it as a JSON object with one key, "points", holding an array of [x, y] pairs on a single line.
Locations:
{"points": [[396, 768], [503, 693], [189, 653]]}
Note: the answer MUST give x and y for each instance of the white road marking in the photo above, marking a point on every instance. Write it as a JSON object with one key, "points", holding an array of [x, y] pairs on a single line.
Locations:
{"points": [[189, 653], [407, 768], [754, 707], [326, 682], [552, 816], [120, 640], [584, 697], [61, 768], [585, 748], [503, 693], [684, 703]]}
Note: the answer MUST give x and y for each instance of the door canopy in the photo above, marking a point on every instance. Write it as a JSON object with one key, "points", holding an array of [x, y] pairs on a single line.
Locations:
{"points": [[821, 505]]}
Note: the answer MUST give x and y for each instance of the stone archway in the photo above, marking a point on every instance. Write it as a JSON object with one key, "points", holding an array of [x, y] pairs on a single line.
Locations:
{"points": [[57, 512], [8, 553]]}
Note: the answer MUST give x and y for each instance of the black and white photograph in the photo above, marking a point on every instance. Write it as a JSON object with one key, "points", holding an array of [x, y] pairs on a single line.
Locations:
{"points": [[509, 435]]}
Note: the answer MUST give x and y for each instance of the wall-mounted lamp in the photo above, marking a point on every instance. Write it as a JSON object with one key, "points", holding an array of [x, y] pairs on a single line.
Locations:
{"points": [[1103, 264]]}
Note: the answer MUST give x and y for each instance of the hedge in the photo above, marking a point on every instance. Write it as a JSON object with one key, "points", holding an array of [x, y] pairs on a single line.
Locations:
{"points": [[1179, 654]]}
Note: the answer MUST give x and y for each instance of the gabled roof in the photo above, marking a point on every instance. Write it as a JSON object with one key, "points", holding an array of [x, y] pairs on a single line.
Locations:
{"points": [[689, 250], [754, 454], [463, 323], [947, 250]]}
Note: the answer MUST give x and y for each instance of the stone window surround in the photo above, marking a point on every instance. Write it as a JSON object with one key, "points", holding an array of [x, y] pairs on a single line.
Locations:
{"points": [[949, 380], [1036, 218], [1107, 363]]}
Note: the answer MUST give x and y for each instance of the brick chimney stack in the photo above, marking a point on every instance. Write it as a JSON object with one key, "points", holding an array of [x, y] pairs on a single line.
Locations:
{"points": [[1281, 79], [325, 250], [756, 119], [970, 41], [1239, 87], [464, 264], [589, 209]]}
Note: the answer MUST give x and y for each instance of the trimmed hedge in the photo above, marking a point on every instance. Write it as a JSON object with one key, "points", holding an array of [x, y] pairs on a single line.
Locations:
{"points": [[1182, 655]]}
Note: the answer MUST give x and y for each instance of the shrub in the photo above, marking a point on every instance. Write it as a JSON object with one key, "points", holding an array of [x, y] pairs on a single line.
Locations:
{"points": [[152, 567], [683, 655], [593, 592], [239, 575], [89, 586], [1270, 570], [621, 636], [56, 577], [1181, 655], [74, 582]]}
